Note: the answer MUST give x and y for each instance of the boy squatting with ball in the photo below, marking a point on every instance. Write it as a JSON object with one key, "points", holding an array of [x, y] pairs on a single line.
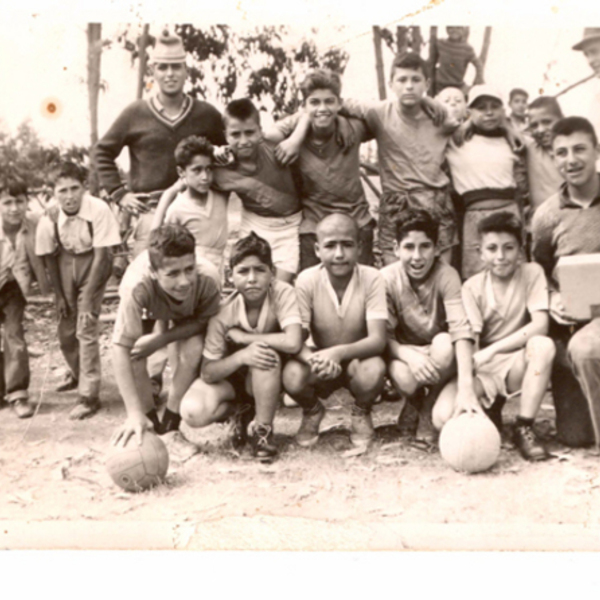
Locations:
{"points": [[343, 307], [168, 289], [255, 328], [507, 306]]}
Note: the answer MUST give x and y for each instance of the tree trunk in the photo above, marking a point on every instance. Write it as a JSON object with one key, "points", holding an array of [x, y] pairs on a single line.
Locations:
{"points": [[94, 35], [143, 44], [416, 41], [379, 62], [485, 47], [401, 39], [432, 60]]}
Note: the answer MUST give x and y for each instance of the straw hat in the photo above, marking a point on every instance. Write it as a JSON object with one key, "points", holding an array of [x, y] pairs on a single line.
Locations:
{"points": [[590, 34], [168, 49]]}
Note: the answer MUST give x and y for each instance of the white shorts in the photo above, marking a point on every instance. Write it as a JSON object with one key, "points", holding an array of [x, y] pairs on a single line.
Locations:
{"points": [[493, 374], [282, 233]]}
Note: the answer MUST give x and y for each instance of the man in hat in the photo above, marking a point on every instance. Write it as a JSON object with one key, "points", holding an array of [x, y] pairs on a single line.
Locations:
{"points": [[151, 129]]}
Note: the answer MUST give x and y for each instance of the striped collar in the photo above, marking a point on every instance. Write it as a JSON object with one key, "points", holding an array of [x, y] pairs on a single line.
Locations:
{"points": [[158, 110]]}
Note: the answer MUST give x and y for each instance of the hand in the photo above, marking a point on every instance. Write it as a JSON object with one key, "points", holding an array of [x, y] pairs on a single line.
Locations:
{"points": [[483, 356], [287, 151], [513, 137], [129, 203], [261, 356], [424, 370], [466, 401], [236, 335], [223, 156], [326, 364], [62, 308], [345, 135], [135, 424], [558, 311], [464, 133], [86, 319], [435, 110], [146, 345]]}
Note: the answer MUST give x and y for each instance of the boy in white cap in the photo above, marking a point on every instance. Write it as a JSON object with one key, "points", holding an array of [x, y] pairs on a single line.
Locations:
{"points": [[485, 171]]}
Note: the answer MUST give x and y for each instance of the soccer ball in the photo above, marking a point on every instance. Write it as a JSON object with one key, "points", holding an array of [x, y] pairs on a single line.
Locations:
{"points": [[135, 468], [470, 443]]}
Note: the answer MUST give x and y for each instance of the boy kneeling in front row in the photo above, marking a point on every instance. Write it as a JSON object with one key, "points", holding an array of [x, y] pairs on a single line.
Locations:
{"points": [[343, 307], [171, 290], [245, 342], [507, 305]]}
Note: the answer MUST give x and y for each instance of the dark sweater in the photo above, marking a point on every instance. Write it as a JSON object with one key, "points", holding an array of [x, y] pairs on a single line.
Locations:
{"points": [[151, 140]]}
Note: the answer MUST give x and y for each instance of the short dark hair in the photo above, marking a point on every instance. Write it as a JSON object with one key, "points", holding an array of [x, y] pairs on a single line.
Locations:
{"points": [[409, 60], [242, 109], [517, 92], [170, 240], [417, 219], [502, 222], [251, 245], [547, 103], [570, 125], [321, 79], [13, 186], [193, 145], [67, 170]]}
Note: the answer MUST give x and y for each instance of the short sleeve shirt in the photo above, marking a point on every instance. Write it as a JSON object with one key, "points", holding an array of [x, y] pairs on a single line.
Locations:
{"points": [[330, 176], [418, 314], [270, 190], [94, 226], [143, 298], [279, 310], [332, 322], [494, 320]]}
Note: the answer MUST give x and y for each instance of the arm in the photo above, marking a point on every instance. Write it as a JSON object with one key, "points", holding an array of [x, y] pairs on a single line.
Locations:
{"points": [[423, 368], [150, 343], [100, 272], [478, 69], [290, 134], [289, 341], [165, 201], [466, 398], [51, 264]]}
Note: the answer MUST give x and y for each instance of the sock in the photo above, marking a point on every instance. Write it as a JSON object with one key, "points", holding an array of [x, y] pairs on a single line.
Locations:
{"points": [[170, 421], [153, 416], [524, 421]]}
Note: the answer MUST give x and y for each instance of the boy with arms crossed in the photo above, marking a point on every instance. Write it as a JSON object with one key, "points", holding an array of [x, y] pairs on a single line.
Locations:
{"points": [[507, 306], [343, 307], [170, 289], [75, 240], [429, 337], [242, 358]]}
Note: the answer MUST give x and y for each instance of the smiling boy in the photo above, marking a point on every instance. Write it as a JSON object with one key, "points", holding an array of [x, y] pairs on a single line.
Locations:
{"points": [[343, 307], [517, 102], [246, 342], [428, 336], [507, 306], [75, 240]]}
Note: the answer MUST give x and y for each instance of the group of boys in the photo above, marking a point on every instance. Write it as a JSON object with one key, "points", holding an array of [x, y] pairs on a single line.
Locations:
{"points": [[446, 347]]}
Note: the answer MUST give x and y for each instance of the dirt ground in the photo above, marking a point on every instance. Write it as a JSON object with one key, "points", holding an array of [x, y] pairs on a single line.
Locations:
{"points": [[53, 479]]}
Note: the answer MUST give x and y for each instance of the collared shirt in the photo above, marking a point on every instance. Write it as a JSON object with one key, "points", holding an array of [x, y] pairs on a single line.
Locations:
{"points": [[279, 310], [332, 322], [493, 319], [94, 226], [159, 109], [411, 150], [330, 176], [542, 174], [562, 227], [418, 314]]}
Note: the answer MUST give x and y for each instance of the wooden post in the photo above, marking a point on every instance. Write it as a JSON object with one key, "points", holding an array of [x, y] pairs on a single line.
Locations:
{"points": [[379, 62], [432, 60], [143, 44], [401, 39], [485, 47], [94, 41], [416, 40]]}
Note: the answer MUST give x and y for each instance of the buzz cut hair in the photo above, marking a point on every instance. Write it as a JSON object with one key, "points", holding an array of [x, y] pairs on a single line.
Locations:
{"points": [[321, 79], [337, 218], [193, 145], [502, 222], [251, 245], [169, 241], [417, 219], [570, 125], [66, 169], [241, 109], [547, 103], [409, 60], [517, 92]]}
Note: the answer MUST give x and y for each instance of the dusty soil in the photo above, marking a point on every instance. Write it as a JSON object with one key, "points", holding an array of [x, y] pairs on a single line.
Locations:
{"points": [[53, 469]]}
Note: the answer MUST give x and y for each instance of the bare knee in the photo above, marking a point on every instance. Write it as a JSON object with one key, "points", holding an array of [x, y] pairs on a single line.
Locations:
{"points": [[541, 348], [368, 374], [200, 403], [190, 351], [584, 346], [401, 377], [295, 377], [444, 406], [442, 350]]}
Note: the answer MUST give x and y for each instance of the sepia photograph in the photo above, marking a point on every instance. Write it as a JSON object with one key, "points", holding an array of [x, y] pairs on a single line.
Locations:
{"points": [[300, 278]]}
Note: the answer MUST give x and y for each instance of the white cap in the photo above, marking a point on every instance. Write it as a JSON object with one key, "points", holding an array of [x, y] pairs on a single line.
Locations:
{"points": [[483, 90]]}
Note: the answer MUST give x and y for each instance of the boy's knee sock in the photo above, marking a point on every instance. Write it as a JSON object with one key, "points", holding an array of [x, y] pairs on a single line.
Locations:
{"points": [[523, 421], [153, 416], [170, 421]]}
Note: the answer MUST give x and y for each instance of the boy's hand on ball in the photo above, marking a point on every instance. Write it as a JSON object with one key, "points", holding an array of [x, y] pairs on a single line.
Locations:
{"points": [[135, 425], [466, 401]]}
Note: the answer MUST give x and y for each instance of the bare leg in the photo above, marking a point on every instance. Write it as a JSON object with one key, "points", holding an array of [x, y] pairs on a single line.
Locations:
{"points": [[204, 404], [266, 386], [186, 370]]}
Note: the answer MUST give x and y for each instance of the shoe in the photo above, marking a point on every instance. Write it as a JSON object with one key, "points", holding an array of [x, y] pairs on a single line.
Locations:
{"points": [[262, 442], [238, 424], [528, 444], [426, 432], [22, 408], [361, 428], [85, 407], [408, 420], [70, 383], [180, 449], [308, 434]]}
